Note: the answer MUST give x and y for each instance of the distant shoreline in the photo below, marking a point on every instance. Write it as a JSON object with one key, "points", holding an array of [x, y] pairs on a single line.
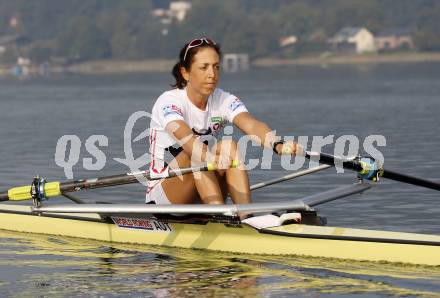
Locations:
{"points": [[122, 66], [350, 59], [165, 65]]}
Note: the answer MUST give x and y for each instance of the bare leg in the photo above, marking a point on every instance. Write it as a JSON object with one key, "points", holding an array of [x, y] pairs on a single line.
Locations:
{"points": [[237, 180], [209, 187], [181, 189], [190, 188]]}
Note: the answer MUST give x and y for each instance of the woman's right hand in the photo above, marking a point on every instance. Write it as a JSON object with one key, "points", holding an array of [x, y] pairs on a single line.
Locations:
{"points": [[291, 147]]}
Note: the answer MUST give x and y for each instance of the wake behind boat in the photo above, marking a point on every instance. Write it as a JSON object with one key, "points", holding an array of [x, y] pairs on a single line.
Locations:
{"points": [[280, 228]]}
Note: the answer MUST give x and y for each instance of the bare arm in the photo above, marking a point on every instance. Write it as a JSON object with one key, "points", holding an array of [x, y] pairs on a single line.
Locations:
{"points": [[191, 145], [263, 135], [256, 129]]}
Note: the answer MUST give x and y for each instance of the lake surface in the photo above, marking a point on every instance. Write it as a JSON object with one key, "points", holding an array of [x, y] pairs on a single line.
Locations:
{"points": [[400, 102]]}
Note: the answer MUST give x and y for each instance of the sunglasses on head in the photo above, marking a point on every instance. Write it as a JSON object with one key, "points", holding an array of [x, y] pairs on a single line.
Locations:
{"points": [[196, 43]]}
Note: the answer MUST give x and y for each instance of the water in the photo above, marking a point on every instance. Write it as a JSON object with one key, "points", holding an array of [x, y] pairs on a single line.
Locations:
{"points": [[40, 266], [399, 102]]}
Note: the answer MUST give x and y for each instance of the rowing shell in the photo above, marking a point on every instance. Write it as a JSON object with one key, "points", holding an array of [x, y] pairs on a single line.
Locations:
{"points": [[228, 234]]}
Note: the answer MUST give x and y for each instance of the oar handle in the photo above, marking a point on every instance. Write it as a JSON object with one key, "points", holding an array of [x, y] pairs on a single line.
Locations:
{"points": [[210, 166]]}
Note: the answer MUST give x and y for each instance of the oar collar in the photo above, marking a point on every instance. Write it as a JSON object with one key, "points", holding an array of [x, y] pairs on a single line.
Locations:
{"points": [[38, 193], [370, 169]]}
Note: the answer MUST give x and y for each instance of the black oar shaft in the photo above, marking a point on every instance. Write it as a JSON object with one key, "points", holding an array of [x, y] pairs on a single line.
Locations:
{"points": [[77, 185], [329, 159], [115, 180], [411, 180], [356, 166]]}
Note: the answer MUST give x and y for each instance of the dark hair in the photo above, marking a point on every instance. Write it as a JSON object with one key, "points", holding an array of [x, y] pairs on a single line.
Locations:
{"points": [[189, 59]]}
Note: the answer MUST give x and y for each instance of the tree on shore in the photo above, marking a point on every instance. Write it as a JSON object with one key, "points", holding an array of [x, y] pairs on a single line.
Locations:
{"points": [[127, 29]]}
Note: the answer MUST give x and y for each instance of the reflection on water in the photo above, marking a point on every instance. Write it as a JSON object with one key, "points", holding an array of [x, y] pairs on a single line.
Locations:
{"points": [[35, 265]]}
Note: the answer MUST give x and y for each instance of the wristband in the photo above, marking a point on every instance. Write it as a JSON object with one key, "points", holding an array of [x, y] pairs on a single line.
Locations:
{"points": [[274, 146]]}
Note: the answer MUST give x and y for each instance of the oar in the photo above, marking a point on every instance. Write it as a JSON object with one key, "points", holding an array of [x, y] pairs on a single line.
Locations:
{"points": [[367, 168], [53, 189]]}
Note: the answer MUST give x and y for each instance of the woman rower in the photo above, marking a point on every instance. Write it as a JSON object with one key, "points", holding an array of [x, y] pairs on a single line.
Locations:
{"points": [[186, 117]]}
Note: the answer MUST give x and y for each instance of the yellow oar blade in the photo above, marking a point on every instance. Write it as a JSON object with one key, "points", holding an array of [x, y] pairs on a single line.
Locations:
{"points": [[51, 189]]}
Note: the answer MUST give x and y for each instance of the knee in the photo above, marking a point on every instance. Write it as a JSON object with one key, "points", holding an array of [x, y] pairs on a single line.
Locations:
{"points": [[182, 160]]}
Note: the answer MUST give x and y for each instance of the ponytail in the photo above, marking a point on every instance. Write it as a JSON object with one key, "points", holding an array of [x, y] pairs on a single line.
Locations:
{"points": [[180, 81]]}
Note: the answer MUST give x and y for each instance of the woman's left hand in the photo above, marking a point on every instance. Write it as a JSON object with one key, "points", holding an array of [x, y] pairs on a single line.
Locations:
{"points": [[290, 147]]}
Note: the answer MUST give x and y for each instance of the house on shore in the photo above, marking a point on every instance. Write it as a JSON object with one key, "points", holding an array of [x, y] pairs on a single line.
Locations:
{"points": [[288, 45], [12, 42], [177, 12], [357, 40], [394, 40], [235, 62]]}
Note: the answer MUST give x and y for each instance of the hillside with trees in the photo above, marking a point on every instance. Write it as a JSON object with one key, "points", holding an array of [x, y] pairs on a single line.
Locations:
{"points": [[116, 29]]}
